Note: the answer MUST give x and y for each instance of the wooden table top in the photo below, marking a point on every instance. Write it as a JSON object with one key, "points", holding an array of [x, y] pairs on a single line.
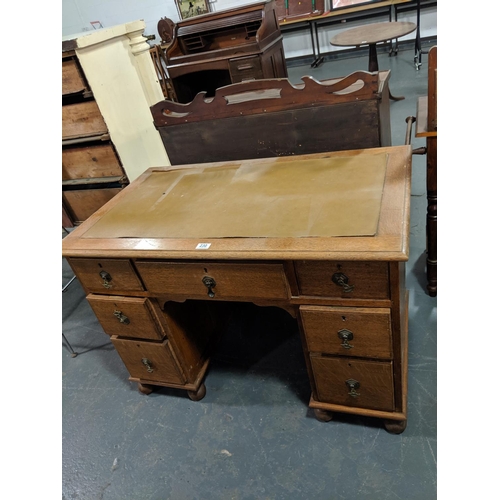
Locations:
{"points": [[202, 211], [372, 33]]}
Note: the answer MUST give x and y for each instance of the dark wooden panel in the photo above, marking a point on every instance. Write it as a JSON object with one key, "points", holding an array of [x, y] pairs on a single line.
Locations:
{"points": [[294, 132]]}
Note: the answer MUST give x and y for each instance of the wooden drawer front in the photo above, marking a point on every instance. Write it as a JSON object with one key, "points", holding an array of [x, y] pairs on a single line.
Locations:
{"points": [[90, 161], [82, 203], [337, 382], [369, 280], [82, 120], [232, 281], [117, 275], [133, 317], [148, 360], [246, 68], [72, 80], [348, 331]]}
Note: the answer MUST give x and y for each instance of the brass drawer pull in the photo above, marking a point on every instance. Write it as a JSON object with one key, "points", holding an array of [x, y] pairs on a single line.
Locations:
{"points": [[243, 67], [345, 336], [342, 280], [147, 364], [106, 278], [209, 283], [123, 319], [352, 385]]}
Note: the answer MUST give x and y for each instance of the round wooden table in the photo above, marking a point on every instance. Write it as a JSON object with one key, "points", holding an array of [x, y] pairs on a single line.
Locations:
{"points": [[371, 34]]}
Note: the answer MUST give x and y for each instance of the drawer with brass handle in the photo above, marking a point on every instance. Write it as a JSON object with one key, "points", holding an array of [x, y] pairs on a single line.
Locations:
{"points": [[245, 68], [354, 382], [356, 280], [214, 281], [149, 361], [348, 331], [106, 275], [134, 317]]}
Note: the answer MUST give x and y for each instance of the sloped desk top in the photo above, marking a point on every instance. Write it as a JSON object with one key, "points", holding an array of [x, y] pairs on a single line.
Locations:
{"points": [[348, 204]]}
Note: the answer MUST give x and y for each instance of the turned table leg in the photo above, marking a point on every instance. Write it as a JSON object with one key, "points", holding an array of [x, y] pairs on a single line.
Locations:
{"points": [[373, 66], [432, 216]]}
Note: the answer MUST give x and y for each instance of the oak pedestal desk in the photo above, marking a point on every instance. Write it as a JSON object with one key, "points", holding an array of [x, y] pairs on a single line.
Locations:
{"points": [[324, 236]]}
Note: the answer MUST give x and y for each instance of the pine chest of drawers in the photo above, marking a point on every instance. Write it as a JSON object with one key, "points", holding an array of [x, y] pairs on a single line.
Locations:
{"points": [[161, 273]]}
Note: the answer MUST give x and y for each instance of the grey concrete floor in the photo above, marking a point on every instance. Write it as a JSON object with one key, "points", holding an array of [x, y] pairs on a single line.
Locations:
{"points": [[253, 435]]}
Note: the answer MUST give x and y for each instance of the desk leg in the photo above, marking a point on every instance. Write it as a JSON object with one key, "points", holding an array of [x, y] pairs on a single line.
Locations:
{"points": [[395, 426], [373, 66], [432, 216]]}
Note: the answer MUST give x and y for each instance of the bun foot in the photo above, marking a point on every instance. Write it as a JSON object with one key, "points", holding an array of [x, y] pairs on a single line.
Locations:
{"points": [[197, 395], [323, 415], [145, 388], [395, 426]]}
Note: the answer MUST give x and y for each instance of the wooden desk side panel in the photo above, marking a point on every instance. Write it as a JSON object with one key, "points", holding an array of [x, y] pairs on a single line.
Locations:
{"points": [[398, 317], [193, 328]]}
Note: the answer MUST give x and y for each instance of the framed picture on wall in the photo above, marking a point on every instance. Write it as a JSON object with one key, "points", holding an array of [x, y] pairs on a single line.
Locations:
{"points": [[191, 8]]}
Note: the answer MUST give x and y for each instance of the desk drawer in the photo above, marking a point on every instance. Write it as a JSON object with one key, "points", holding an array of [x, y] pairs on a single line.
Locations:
{"points": [[90, 162], [352, 382], [82, 203], [363, 280], [133, 317], [233, 281], [245, 68], [83, 119], [348, 331], [72, 79], [101, 275], [149, 361]]}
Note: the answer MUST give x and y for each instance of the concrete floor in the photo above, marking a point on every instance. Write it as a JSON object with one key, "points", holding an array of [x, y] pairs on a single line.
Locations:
{"points": [[252, 436]]}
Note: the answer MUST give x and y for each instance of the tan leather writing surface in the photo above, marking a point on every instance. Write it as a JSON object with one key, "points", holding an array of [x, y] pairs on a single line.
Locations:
{"points": [[338, 196]]}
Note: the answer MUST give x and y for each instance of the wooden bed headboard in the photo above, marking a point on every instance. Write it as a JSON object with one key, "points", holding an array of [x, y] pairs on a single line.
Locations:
{"points": [[268, 118]]}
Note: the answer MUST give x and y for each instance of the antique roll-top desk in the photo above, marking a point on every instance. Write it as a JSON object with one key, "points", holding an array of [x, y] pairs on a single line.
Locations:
{"points": [[323, 236], [216, 49]]}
